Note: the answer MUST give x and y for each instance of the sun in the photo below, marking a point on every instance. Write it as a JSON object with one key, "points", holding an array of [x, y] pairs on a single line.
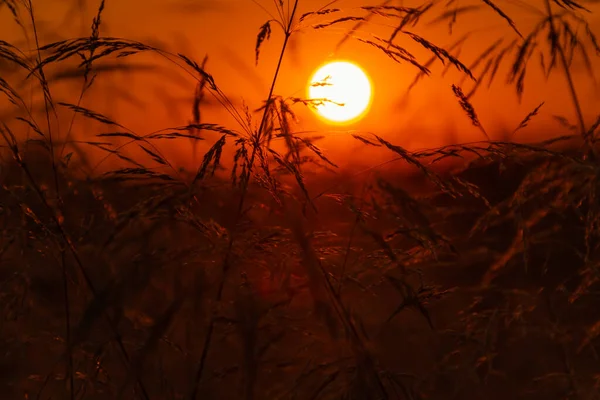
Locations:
{"points": [[341, 92]]}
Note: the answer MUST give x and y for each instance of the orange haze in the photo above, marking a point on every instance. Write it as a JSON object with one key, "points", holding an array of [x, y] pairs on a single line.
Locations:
{"points": [[226, 31]]}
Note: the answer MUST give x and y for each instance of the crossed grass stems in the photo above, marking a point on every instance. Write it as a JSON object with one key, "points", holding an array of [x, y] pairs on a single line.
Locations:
{"points": [[561, 34]]}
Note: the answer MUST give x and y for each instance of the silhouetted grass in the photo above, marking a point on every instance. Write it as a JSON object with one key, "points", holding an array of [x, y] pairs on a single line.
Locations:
{"points": [[249, 278]]}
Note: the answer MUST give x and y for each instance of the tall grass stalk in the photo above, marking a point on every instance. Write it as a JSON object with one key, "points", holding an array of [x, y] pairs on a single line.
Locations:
{"points": [[256, 144]]}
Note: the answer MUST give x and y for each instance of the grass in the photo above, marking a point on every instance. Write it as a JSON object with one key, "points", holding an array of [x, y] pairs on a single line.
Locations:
{"points": [[471, 272]]}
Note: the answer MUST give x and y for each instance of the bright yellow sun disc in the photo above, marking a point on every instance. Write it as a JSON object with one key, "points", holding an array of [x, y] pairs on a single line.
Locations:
{"points": [[340, 91]]}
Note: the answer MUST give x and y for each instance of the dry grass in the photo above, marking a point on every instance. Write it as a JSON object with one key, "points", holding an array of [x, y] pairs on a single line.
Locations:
{"points": [[152, 282]]}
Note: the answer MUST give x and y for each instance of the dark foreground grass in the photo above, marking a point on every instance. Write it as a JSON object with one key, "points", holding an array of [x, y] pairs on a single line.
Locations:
{"points": [[487, 289], [256, 280]]}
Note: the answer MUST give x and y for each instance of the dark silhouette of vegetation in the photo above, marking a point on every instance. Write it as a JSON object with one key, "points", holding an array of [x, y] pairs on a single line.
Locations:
{"points": [[235, 280]]}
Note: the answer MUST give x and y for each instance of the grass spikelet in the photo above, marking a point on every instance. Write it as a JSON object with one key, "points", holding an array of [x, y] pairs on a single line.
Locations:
{"points": [[319, 12], [365, 140], [468, 109], [91, 114], [127, 174], [337, 21], [213, 155], [409, 158], [199, 94], [11, 53], [10, 93], [13, 7], [126, 135], [397, 54], [441, 54], [569, 4], [33, 126], [430, 61], [205, 75], [499, 11], [159, 159], [240, 158], [528, 118], [311, 146], [264, 33]]}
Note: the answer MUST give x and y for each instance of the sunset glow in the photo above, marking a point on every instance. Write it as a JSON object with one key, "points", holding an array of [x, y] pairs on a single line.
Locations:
{"points": [[341, 91]]}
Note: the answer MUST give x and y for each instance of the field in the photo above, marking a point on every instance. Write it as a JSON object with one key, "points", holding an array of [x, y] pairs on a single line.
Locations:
{"points": [[262, 269]]}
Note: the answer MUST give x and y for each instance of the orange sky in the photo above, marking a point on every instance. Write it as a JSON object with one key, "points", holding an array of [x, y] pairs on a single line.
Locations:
{"points": [[226, 31]]}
